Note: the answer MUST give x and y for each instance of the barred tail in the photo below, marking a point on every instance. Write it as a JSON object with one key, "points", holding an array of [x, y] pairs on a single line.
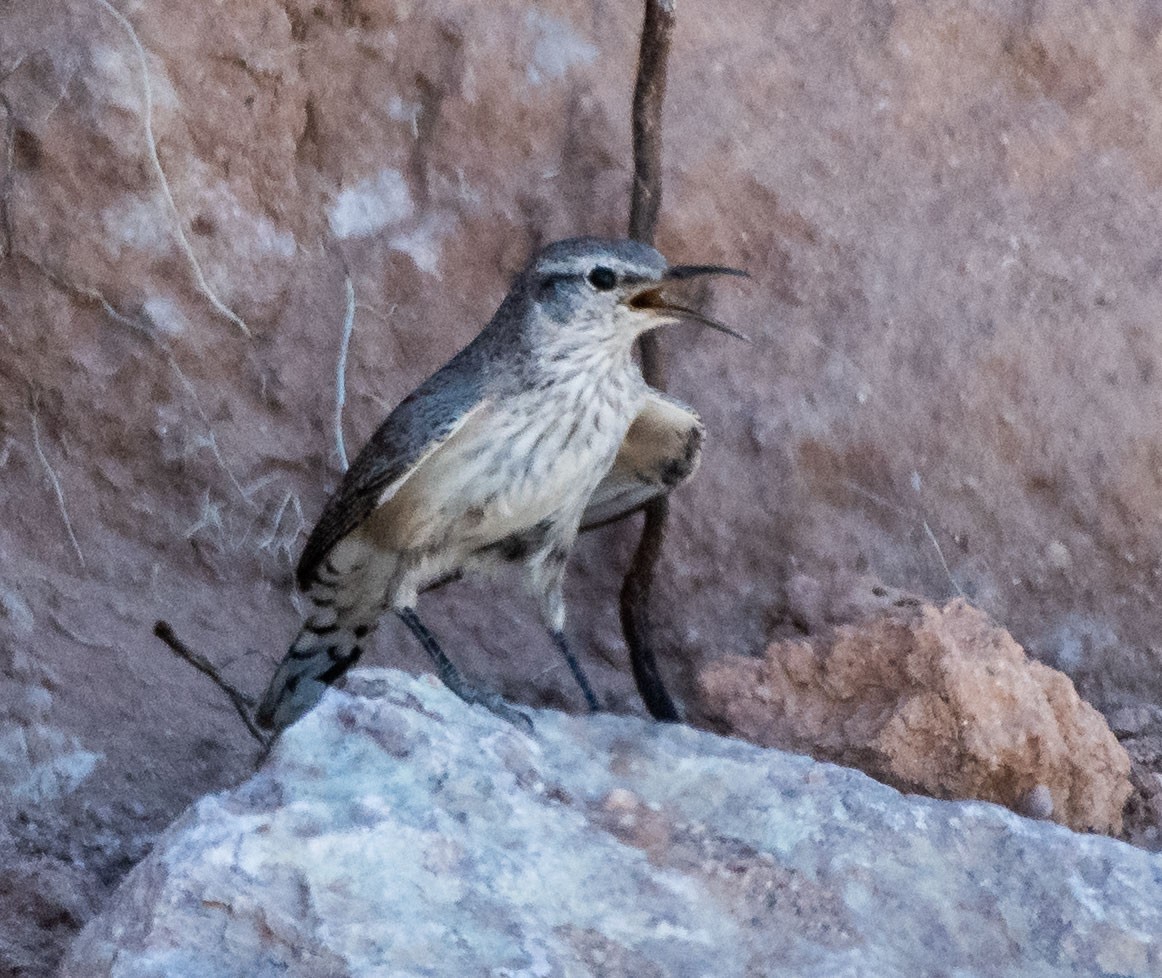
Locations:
{"points": [[317, 658]]}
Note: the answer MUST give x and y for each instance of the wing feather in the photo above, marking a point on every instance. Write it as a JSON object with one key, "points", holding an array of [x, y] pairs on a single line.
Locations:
{"points": [[661, 450], [418, 426]]}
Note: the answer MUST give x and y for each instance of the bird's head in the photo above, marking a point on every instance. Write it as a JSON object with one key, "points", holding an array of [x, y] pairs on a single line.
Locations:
{"points": [[611, 291]]}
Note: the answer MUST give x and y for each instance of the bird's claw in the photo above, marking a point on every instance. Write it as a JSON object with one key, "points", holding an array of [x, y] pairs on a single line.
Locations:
{"points": [[498, 707]]}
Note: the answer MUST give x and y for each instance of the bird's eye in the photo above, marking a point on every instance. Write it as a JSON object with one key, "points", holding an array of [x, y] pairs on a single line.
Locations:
{"points": [[603, 279]]}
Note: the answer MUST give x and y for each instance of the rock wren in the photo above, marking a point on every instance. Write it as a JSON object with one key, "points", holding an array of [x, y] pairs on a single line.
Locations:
{"points": [[541, 426]]}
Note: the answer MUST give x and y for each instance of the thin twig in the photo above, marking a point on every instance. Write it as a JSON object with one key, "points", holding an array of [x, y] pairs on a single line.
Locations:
{"points": [[211, 437], [646, 200], [56, 483], [341, 369], [76, 636], [876, 498], [243, 704], [147, 116], [272, 542], [648, 96], [940, 554], [903, 514]]}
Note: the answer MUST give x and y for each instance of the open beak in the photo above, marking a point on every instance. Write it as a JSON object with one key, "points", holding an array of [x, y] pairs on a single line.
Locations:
{"points": [[654, 298]]}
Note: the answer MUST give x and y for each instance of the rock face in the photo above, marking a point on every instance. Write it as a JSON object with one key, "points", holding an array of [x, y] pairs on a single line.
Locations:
{"points": [[949, 209], [398, 832], [934, 700]]}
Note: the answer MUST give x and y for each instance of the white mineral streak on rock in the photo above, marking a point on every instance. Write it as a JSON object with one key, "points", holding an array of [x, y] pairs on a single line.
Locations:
{"points": [[395, 831], [371, 205], [556, 47], [138, 222], [165, 314], [422, 244], [38, 762]]}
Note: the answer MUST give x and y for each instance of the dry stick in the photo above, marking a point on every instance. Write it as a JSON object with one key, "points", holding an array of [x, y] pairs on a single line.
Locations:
{"points": [[646, 200], [341, 369], [147, 116], [242, 703], [903, 514], [944, 563], [56, 483], [648, 95]]}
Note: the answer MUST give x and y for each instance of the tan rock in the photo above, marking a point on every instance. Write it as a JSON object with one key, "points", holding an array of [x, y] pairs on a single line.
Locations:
{"points": [[933, 700], [656, 851]]}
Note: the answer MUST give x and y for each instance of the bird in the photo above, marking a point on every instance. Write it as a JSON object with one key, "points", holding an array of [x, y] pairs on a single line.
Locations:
{"points": [[542, 426]]}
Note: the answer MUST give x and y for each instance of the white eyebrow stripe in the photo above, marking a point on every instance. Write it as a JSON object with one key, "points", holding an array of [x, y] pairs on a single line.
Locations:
{"points": [[582, 267]]}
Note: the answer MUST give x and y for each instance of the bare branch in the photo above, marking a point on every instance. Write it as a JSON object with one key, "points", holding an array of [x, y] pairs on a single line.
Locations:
{"points": [[636, 622], [648, 97], [243, 704], [646, 199]]}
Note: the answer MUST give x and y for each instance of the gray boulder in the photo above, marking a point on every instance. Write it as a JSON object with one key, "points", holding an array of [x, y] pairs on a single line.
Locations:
{"points": [[396, 832]]}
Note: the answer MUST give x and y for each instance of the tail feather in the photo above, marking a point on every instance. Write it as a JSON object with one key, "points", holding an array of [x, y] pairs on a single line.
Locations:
{"points": [[316, 660], [346, 599]]}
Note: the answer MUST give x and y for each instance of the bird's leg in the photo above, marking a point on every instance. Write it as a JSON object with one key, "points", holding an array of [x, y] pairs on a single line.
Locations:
{"points": [[451, 677], [549, 579], [562, 644]]}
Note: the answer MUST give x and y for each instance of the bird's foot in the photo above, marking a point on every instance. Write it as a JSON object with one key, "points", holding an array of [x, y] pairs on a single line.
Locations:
{"points": [[451, 677], [495, 704], [562, 644]]}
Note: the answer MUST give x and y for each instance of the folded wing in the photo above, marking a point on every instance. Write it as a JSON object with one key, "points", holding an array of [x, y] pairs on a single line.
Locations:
{"points": [[661, 451], [417, 428]]}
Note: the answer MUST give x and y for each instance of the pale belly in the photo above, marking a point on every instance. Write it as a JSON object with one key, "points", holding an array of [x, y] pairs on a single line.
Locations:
{"points": [[510, 468]]}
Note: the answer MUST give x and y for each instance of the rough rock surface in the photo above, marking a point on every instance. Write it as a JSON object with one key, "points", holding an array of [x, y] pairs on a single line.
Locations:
{"points": [[397, 831], [939, 701], [1143, 742], [950, 211]]}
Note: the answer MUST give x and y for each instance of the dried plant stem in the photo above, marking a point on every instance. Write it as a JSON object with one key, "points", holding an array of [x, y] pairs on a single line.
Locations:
{"points": [[72, 634], [648, 96], [943, 562], [646, 200], [341, 370], [55, 482], [243, 704], [147, 116], [907, 516], [211, 437]]}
